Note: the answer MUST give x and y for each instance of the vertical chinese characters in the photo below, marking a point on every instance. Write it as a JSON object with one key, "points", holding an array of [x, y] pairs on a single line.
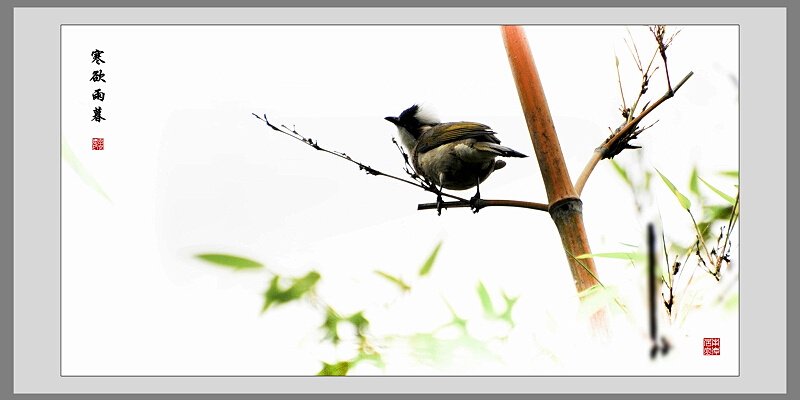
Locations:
{"points": [[98, 76], [98, 95]]}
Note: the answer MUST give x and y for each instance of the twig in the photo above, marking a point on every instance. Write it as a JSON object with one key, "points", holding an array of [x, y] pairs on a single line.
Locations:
{"points": [[620, 140], [486, 203], [731, 222], [605, 151], [658, 33], [369, 170], [419, 182], [621, 92]]}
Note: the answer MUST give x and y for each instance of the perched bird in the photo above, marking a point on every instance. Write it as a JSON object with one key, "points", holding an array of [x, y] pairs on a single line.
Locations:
{"points": [[451, 155]]}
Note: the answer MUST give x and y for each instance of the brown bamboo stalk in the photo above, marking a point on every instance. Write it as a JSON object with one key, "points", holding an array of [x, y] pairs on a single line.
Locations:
{"points": [[564, 204]]}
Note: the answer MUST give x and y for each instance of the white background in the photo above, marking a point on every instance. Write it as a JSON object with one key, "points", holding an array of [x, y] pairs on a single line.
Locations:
{"points": [[190, 170]]}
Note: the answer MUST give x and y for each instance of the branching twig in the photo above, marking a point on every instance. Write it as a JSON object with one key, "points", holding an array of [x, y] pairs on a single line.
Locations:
{"points": [[419, 181], [658, 33], [621, 134], [370, 171], [621, 137], [646, 75], [725, 250]]}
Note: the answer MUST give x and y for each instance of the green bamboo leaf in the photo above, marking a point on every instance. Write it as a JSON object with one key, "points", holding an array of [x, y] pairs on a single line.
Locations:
{"points": [[510, 301], [714, 213], [426, 268], [330, 325], [338, 369], [685, 203], [632, 256], [397, 281], [595, 298], [359, 322], [226, 260], [589, 291], [304, 284], [457, 321], [437, 352], [621, 171], [732, 303], [486, 301], [374, 358], [300, 286], [727, 198], [72, 160], [732, 174], [693, 187]]}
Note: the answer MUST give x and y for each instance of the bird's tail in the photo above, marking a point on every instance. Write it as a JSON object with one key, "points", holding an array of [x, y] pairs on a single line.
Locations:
{"points": [[497, 149]]}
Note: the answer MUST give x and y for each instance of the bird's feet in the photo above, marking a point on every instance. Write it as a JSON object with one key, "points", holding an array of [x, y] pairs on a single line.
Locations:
{"points": [[439, 203], [475, 203]]}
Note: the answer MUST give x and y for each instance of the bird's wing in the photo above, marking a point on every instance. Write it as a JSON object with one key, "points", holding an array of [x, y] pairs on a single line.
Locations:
{"points": [[453, 131]]}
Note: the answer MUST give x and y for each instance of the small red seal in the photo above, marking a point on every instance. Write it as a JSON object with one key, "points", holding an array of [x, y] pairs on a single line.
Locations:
{"points": [[711, 346]]}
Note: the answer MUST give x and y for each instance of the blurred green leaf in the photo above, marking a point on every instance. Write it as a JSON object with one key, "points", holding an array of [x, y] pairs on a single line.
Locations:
{"points": [[589, 291], [428, 349], [715, 213], [374, 358], [299, 287], [359, 322], [332, 320], [330, 325], [621, 171], [595, 298], [226, 260], [732, 303], [685, 203], [488, 307], [457, 321], [506, 315], [727, 198], [486, 301], [693, 187], [397, 281], [632, 256], [429, 262], [732, 174], [72, 160], [338, 369]]}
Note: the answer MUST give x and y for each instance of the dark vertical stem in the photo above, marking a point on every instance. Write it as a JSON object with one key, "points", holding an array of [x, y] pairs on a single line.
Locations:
{"points": [[651, 284]]}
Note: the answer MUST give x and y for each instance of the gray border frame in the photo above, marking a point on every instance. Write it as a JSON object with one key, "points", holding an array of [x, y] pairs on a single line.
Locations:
{"points": [[41, 149]]}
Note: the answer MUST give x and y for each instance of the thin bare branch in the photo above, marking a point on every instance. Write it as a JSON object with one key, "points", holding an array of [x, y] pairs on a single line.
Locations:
{"points": [[620, 138], [418, 179], [619, 80], [486, 203]]}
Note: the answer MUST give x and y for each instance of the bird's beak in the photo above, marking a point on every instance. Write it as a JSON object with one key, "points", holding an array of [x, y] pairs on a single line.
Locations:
{"points": [[393, 120]]}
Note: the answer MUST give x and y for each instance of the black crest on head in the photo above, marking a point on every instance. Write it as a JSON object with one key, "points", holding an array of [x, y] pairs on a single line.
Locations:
{"points": [[410, 112], [408, 119]]}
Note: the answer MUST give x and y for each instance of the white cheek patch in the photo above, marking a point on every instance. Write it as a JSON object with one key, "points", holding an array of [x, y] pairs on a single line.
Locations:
{"points": [[408, 141]]}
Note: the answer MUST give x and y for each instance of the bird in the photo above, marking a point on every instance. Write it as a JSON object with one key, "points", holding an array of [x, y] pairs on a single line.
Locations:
{"points": [[450, 155]]}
